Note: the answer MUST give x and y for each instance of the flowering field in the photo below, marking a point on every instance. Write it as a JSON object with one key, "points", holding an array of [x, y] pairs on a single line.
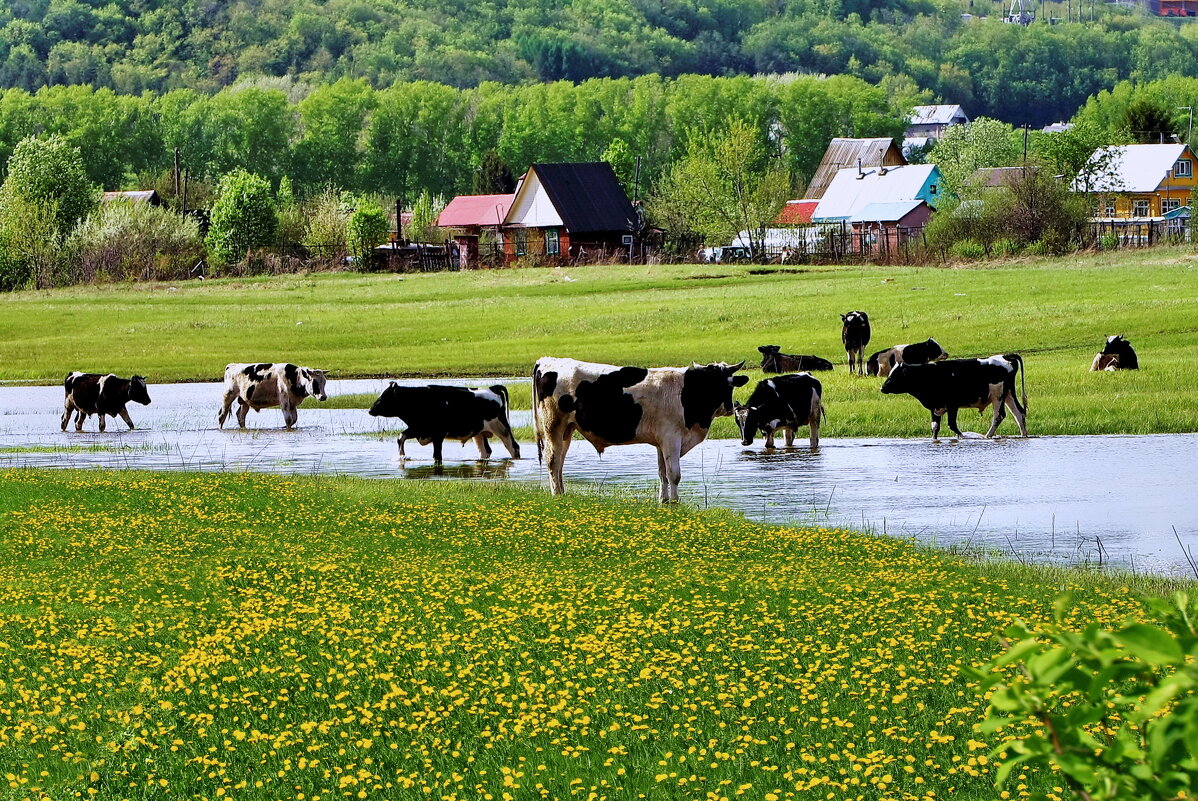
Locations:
{"points": [[236, 636]]}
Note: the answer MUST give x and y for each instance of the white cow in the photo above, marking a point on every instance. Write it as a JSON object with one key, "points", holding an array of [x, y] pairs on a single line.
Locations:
{"points": [[257, 386], [670, 408]]}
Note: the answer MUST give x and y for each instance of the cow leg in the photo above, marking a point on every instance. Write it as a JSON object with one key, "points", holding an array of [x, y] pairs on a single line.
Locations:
{"points": [[789, 436], [999, 415], [243, 409], [80, 416], [508, 440], [402, 439], [1019, 412], [226, 405], [670, 470], [437, 443], [769, 438], [952, 422], [484, 447], [124, 413], [935, 426], [557, 444], [66, 415], [100, 418], [290, 415]]}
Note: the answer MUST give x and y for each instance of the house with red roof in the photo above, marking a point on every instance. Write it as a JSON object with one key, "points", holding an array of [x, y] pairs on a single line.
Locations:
{"points": [[470, 218]]}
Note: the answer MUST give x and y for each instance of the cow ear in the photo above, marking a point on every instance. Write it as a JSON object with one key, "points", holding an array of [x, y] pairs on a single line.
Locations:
{"points": [[844, 318], [394, 384], [739, 380]]}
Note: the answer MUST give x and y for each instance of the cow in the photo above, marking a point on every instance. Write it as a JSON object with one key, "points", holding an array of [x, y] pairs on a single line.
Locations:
{"points": [[947, 386], [671, 408], [784, 403], [101, 395], [436, 413], [1117, 354], [884, 361], [257, 386], [854, 333], [773, 361]]}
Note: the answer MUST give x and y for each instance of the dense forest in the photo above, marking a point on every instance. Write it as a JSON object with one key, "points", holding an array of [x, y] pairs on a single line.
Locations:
{"points": [[1035, 75]]}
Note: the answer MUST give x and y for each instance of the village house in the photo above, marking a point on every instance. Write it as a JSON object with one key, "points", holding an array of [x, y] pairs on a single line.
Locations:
{"points": [[149, 197], [928, 123], [884, 205], [1138, 181], [565, 212], [844, 152], [880, 229], [471, 219]]}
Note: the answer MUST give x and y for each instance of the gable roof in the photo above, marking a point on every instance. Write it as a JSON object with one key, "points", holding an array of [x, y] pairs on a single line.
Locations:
{"points": [[845, 152], [891, 211], [587, 196], [937, 115], [134, 196], [1129, 168], [849, 191], [796, 212], [468, 211], [991, 177]]}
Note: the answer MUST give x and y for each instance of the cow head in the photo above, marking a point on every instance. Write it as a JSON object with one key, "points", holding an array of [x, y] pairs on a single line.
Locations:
{"points": [[899, 380], [385, 404], [769, 350], [1116, 344], [313, 381], [748, 421], [707, 391], [138, 391], [854, 318]]}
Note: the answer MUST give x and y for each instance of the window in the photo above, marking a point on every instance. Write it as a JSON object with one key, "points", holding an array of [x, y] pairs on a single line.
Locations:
{"points": [[553, 243], [1141, 208], [1169, 204], [1108, 207], [1184, 168], [521, 242]]}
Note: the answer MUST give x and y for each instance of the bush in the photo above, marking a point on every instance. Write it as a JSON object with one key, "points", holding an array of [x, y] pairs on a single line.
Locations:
{"points": [[968, 249], [50, 171], [324, 233], [243, 217], [1108, 241], [1038, 248], [30, 244], [1005, 247], [128, 241], [367, 229]]}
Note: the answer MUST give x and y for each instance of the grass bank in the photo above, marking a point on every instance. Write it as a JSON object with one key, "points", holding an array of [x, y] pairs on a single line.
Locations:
{"points": [[1054, 311], [256, 637]]}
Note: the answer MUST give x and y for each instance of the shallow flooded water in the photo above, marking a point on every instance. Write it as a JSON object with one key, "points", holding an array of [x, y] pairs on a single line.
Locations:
{"points": [[1109, 499]]}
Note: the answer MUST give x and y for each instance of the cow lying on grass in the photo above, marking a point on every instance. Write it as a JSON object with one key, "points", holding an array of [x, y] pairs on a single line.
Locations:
{"points": [[1117, 354], [884, 361], [257, 386], [436, 413], [774, 361], [101, 395]]}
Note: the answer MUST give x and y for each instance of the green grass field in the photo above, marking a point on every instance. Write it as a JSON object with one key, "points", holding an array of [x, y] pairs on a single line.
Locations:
{"points": [[256, 637], [1054, 311]]}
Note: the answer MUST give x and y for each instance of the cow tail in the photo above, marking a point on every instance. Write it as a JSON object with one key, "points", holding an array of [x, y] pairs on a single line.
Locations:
{"points": [[1023, 380], [536, 415]]}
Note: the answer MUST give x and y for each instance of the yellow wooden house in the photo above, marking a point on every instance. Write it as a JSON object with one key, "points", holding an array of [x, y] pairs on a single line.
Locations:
{"points": [[1138, 181]]}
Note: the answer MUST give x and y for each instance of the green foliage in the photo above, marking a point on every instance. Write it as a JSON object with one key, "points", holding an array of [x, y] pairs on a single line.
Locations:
{"points": [[423, 227], [29, 242], [968, 249], [367, 228], [494, 176], [964, 149], [1108, 241], [243, 217], [50, 171], [1149, 121], [122, 240], [1112, 711], [327, 216]]}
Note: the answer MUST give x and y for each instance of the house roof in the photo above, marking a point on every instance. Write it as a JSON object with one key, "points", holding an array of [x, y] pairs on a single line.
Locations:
{"points": [[845, 152], [1129, 168], [891, 211], [998, 176], [848, 193], [134, 196], [937, 115], [467, 211], [796, 212], [587, 196]]}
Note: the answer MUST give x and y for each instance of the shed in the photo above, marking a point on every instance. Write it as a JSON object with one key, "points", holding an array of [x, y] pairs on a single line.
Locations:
{"points": [[882, 228], [852, 190], [469, 217], [844, 152]]}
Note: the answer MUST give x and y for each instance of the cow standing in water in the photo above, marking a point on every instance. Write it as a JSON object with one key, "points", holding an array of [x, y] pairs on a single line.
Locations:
{"points": [[101, 395], [257, 386], [964, 383], [671, 408], [436, 413], [854, 333], [784, 403]]}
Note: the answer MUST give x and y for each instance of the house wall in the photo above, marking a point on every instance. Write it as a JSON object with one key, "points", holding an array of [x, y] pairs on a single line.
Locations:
{"points": [[1125, 202], [889, 237], [532, 207]]}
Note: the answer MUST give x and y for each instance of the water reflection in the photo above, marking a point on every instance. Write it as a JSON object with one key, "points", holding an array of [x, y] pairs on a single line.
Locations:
{"points": [[487, 470]]}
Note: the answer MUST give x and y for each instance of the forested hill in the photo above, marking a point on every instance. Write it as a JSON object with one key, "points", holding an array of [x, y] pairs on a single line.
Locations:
{"points": [[1036, 74]]}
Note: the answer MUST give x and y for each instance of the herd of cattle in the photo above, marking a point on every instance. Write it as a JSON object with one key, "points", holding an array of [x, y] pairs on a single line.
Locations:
{"points": [[670, 408]]}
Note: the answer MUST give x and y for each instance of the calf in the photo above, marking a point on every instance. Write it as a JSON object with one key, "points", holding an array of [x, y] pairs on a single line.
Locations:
{"points": [[854, 333], [101, 395], [773, 361], [670, 408], [785, 403], [436, 413], [257, 386], [884, 361], [963, 383], [1117, 354]]}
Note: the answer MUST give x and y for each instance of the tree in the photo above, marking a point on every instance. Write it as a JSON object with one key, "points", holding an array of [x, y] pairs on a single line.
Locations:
{"points": [[243, 217], [963, 149], [367, 229], [727, 183], [1149, 122], [50, 171], [494, 176]]}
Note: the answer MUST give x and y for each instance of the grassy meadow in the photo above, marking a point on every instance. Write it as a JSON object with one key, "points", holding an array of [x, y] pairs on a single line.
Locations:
{"points": [[1056, 312], [256, 637]]}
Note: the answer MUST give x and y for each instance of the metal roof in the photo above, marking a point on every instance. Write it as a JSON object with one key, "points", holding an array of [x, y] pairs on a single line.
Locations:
{"points": [[1130, 168], [849, 192], [469, 211], [845, 152], [892, 211], [587, 196], [937, 115], [796, 212], [134, 196]]}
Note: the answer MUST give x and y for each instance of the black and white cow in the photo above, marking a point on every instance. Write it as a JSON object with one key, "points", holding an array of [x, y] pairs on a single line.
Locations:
{"points": [[963, 383], [101, 395], [257, 386], [670, 408], [854, 333], [784, 403], [774, 361], [884, 361], [436, 413], [1117, 354]]}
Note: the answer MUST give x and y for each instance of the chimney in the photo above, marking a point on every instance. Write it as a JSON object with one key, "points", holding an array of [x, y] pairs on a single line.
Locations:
{"points": [[860, 172]]}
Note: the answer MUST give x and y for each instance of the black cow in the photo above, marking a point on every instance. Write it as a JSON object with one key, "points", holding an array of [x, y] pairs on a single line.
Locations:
{"points": [[854, 333], [882, 362], [92, 393], [784, 403], [1117, 354], [773, 361], [436, 413], [963, 383]]}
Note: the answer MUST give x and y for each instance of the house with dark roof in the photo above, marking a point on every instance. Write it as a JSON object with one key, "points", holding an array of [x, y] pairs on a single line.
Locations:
{"points": [[845, 152], [149, 196], [562, 212]]}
